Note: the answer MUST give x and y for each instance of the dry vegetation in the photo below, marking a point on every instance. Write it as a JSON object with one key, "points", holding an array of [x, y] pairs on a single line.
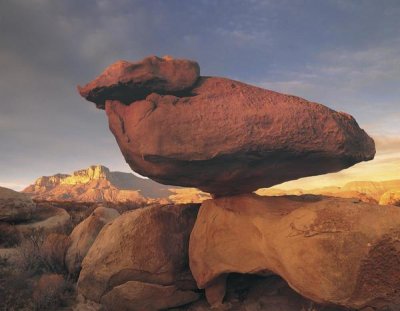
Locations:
{"points": [[36, 278]]}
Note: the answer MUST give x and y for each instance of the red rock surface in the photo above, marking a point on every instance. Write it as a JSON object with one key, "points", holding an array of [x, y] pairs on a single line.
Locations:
{"points": [[127, 81], [227, 137]]}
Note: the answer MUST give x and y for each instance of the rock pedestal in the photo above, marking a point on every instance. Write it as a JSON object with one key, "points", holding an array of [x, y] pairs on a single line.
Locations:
{"points": [[229, 138], [330, 250]]}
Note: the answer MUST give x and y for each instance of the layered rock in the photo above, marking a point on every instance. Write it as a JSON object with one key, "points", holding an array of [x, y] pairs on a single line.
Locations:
{"points": [[330, 250], [95, 184], [227, 137], [15, 206], [140, 254], [84, 235]]}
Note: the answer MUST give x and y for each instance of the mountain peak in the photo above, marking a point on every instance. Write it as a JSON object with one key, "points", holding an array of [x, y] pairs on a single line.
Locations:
{"points": [[95, 183]]}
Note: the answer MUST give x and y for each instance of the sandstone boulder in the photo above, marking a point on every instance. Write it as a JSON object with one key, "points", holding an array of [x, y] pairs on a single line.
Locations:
{"points": [[15, 206], [330, 250], [128, 82], [147, 246], [391, 197], [226, 137], [84, 235]]}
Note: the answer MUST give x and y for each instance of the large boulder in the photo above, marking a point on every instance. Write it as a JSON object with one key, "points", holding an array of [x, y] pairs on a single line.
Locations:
{"points": [[226, 137], [128, 82], [15, 206], [141, 252], [84, 235], [330, 250]]}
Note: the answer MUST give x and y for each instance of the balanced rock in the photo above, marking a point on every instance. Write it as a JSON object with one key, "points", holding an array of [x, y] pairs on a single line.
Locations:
{"points": [[330, 250], [15, 206], [223, 136], [127, 82], [141, 253], [84, 235]]}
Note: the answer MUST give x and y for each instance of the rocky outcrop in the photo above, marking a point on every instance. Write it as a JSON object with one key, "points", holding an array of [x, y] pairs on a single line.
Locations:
{"points": [[391, 197], [329, 250], [96, 184], [49, 219], [84, 235], [227, 137], [188, 195], [141, 253], [127, 82], [15, 206]]}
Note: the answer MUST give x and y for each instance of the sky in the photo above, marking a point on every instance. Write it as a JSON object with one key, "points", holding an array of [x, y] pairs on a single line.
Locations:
{"points": [[341, 53]]}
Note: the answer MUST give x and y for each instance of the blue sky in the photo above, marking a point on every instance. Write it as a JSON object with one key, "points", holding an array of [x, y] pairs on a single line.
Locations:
{"points": [[344, 54]]}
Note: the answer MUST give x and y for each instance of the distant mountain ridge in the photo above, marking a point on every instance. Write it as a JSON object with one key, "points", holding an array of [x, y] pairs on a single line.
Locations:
{"points": [[96, 184], [367, 191]]}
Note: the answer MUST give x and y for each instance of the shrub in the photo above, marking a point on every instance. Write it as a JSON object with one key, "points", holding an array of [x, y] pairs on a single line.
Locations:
{"points": [[9, 235], [51, 291]]}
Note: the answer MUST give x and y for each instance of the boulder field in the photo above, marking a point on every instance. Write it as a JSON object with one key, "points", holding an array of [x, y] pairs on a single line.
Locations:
{"points": [[229, 138]]}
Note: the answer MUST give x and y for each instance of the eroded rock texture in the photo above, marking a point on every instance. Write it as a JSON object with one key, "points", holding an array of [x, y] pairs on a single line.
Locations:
{"points": [[140, 254], [222, 136], [330, 250]]}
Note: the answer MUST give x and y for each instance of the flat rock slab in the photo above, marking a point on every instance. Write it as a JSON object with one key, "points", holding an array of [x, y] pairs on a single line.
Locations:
{"points": [[330, 250], [226, 137]]}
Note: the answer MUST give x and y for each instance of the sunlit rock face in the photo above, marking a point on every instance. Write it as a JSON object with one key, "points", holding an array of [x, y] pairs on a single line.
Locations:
{"points": [[391, 197], [96, 184], [139, 261], [127, 82], [84, 235], [330, 250], [223, 136]]}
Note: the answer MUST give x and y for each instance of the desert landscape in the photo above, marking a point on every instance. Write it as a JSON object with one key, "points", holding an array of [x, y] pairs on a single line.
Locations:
{"points": [[136, 182]]}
